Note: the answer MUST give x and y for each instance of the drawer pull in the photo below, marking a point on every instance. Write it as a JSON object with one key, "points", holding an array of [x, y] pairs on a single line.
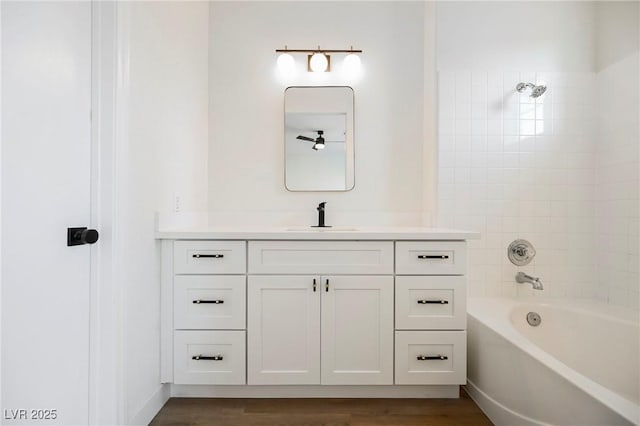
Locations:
{"points": [[212, 256], [433, 302], [214, 302], [433, 256], [207, 358], [431, 357]]}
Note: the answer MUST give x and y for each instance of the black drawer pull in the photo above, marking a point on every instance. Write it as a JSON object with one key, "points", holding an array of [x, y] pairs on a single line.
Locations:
{"points": [[207, 358], [433, 302], [213, 302], [433, 256], [212, 256], [432, 357]]}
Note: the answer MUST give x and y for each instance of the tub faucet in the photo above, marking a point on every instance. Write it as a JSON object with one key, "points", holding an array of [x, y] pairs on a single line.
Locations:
{"points": [[321, 216], [521, 277]]}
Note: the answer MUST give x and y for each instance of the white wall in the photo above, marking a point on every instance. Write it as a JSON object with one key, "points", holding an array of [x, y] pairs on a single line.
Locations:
{"points": [[165, 152], [511, 167], [246, 178], [616, 32], [617, 154], [516, 35]]}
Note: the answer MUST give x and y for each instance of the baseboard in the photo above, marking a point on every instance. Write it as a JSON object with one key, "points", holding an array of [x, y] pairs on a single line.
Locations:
{"points": [[150, 408], [201, 391]]}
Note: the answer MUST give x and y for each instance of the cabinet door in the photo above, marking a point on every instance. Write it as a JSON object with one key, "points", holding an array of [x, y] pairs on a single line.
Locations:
{"points": [[283, 330], [357, 330]]}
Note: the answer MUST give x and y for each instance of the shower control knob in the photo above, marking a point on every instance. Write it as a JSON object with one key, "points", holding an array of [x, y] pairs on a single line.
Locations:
{"points": [[521, 252]]}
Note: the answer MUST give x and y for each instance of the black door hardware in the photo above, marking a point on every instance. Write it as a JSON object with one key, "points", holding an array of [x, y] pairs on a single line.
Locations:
{"points": [[431, 357], [80, 236]]}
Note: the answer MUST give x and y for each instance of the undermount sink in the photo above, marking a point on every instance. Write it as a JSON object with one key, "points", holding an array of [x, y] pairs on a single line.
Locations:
{"points": [[326, 229]]}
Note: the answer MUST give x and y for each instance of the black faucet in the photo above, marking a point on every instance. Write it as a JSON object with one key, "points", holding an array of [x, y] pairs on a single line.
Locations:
{"points": [[321, 216]]}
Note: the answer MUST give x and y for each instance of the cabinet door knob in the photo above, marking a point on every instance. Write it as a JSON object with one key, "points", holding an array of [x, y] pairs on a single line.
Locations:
{"points": [[214, 302], [315, 285], [326, 285]]}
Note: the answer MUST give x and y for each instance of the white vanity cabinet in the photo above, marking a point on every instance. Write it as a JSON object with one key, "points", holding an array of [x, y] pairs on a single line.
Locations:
{"points": [[208, 305], [284, 320], [317, 311], [326, 327], [330, 330], [431, 313], [357, 330]]}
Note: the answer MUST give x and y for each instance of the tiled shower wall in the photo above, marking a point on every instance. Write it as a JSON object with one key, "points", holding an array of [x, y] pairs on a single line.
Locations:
{"points": [[513, 167]]}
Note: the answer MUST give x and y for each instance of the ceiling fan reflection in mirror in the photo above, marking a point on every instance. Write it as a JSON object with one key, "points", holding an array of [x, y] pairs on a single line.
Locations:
{"points": [[319, 142]]}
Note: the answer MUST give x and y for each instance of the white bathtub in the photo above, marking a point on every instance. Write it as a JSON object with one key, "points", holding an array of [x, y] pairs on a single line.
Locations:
{"points": [[578, 367]]}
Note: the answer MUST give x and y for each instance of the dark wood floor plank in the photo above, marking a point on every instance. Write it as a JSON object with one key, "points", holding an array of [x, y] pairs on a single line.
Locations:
{"points": [[320, 412]]}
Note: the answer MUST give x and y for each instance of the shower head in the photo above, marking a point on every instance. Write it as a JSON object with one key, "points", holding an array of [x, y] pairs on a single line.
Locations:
{"points": [[536, 91]]}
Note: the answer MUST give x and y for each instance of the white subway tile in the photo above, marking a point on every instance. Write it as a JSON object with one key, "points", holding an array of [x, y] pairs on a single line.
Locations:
{"points": [[479, 143], [479, 95], [479, 175], [514, 167], [494, 79], [479, 127], [510, 127], [463, 126]]}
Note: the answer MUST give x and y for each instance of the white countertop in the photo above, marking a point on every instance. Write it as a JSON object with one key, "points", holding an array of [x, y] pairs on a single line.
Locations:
{"points": [[308, 233]]}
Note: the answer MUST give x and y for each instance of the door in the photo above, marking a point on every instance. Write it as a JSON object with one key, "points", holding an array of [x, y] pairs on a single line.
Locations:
{"points": [[45, 165], [283, 326], [357, 330]]}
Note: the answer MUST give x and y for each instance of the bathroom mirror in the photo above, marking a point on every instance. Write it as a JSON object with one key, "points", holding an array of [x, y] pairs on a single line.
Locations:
{"points": [[319, 138]]}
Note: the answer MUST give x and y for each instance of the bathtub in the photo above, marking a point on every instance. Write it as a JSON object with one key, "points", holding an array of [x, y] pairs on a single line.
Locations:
{"points": [[578, 367]]}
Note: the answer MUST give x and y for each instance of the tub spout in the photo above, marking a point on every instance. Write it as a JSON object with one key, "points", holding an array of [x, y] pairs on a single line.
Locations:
{"points": [[521, 277]]}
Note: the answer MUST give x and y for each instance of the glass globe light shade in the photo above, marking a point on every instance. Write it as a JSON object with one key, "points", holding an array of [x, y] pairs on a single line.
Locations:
{"points": [[286, 64], [351, 63], [318, 62]]}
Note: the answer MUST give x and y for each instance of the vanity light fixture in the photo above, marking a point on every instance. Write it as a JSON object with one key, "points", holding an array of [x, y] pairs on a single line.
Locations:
{"points": [[286, 63], [351, 63], [318, 60]]}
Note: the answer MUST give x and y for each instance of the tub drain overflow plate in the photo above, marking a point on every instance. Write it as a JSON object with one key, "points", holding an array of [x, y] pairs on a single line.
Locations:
{"points": [[534, 319]]}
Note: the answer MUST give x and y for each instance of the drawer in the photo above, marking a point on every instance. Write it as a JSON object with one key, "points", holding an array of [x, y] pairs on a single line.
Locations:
{"points": [[431, 357], [209, 358], [431, 303], [209, 257], [431, 258], [321, 257], [209, 301]]}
